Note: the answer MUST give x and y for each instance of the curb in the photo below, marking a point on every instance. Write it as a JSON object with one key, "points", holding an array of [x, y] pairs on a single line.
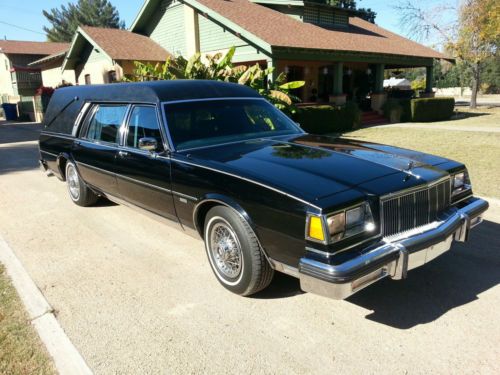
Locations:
{"points": [[66, 357]]}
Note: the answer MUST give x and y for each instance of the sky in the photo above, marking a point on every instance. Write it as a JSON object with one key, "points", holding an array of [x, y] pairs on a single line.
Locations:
{"points": [[23, 19]]}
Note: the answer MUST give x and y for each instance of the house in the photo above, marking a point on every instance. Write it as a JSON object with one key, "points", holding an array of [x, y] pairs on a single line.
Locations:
{"points": [[103, 55], [339, 55], [50, 67], [16, 76]]}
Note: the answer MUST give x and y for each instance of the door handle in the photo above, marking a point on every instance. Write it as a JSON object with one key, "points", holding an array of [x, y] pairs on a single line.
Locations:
{"points": [[122, 153]]}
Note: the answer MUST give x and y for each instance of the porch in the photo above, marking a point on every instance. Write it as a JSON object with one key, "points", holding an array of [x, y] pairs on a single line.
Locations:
{"points": [[336, 82]]}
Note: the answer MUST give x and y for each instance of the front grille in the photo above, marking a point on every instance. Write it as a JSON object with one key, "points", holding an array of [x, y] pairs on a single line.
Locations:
{"points": [[414, 208]]}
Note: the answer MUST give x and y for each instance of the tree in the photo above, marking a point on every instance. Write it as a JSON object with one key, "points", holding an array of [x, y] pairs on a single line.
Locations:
{"points": [[477, 38], [472, 36], [66, 19]]}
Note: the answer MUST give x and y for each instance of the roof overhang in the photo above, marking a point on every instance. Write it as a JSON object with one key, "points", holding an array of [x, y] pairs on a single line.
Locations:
{"points": [[149, 7], [48, 59], [288, 53], [80, 40]]}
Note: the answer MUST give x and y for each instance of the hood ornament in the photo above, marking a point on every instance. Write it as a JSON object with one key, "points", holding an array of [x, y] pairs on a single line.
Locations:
{"points": [[409, 172]]}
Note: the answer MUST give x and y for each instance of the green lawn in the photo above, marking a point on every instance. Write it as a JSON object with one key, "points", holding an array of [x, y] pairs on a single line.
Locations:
{"points": [[480, 151], [21, 351]]}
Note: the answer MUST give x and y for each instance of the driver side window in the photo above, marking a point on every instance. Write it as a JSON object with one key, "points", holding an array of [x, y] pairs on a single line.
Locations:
{"points": [[143, 123]]}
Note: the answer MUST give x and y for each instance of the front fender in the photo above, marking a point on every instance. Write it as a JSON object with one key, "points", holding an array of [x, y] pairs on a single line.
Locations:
{"points": [[212, 199]]}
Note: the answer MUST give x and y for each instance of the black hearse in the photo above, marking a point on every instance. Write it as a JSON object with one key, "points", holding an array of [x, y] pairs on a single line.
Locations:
{"points": [[222, 162]]}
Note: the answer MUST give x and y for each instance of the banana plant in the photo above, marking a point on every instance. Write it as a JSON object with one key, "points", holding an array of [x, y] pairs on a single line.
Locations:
{"points": [[220, 67]]}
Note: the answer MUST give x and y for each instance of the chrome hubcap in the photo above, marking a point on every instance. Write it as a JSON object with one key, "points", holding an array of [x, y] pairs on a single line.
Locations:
{"points": [[73, 184], [226, 250]]}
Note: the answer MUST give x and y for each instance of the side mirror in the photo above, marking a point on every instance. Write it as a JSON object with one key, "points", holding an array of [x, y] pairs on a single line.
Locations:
{"points": [[148, 144]]}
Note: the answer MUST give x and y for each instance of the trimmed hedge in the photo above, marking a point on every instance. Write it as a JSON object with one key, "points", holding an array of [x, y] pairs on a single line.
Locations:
{"points": [[420, 110], [432, 109], [328, 119]]}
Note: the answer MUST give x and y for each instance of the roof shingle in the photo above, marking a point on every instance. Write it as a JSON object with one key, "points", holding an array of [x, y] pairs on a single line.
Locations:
{"points": [[124, 45], [18, 47], [281, 30]]}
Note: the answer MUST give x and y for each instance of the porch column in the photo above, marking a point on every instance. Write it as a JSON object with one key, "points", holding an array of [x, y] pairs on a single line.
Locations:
{"points": [[378, 97], [379, 78], [429, 78], [270, 64], [338, 96]]}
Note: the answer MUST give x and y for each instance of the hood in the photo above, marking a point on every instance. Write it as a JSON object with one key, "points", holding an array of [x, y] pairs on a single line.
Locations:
{"points": [[315, 167]]}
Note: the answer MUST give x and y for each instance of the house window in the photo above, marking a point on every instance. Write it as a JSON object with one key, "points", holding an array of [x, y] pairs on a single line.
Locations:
{"points": [[112, 76], [87, 79]]}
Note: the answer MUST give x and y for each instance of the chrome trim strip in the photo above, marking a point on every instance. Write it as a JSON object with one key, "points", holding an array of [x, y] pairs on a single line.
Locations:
{"points": [[78, 163], [284, 268], [248, 180], [462, 199], [414, 188], [138, 181], [185, 196], [59, 135], [49, 153], [79, 118]]}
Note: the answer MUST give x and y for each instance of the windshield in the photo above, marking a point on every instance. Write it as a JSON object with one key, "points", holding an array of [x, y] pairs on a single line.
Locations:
{"points": [[210, 122]]}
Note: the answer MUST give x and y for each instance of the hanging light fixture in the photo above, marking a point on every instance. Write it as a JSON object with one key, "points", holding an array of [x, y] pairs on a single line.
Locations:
{"points": [[368, 71], [287, 69], [325, 70], [349, 72]]}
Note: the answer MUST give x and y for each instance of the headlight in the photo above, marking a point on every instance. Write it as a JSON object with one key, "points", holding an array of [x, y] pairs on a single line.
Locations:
{"points": [[461, 183], [343, 224]]}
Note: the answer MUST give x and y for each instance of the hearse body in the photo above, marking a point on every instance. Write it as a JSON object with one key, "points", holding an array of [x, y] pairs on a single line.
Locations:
{"points": [[219, 161]]}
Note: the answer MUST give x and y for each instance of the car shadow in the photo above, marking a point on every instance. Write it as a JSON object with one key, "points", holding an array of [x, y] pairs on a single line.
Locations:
{"points": [[18, 158], [282, 286], [454, 279], [14, 132]]}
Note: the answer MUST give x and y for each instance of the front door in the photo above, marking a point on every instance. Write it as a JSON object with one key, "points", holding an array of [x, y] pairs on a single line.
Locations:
{"points": [[96, 149], [143, 177]]}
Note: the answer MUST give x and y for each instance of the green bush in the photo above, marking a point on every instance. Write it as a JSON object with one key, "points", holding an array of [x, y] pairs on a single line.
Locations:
{"points": [[400, 108], [328, 119], [432, 109]]}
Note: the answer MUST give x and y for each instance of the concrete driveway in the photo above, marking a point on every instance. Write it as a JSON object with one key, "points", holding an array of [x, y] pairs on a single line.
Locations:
{"points": [[136, 296]]}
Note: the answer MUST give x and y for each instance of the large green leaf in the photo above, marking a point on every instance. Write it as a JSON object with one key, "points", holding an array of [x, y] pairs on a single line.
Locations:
{"points": [[292, 85], [281, 96], [227, 59]]}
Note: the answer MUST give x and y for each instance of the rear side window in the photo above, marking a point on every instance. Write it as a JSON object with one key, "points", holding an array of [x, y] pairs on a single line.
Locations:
{"points": [[143, 123], [105, 124]]}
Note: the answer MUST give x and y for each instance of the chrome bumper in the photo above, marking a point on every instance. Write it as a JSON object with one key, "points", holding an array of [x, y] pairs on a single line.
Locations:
{"points": [[393, 258]]}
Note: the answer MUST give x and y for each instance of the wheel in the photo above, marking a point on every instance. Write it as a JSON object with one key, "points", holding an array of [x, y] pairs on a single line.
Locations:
{"points": [[234, 252], [78, 191]]}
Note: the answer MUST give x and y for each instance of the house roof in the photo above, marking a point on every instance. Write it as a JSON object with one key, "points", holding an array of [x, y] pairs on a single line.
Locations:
{"points": [[49, 58], [271, 28], [117, 44], [123, 45], [18, 47]]}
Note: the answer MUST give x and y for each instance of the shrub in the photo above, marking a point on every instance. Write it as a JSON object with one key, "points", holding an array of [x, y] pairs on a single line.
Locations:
{"points": [[398, 110], [328, 119], [432, 109]]}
